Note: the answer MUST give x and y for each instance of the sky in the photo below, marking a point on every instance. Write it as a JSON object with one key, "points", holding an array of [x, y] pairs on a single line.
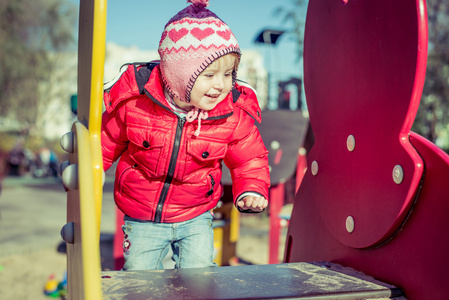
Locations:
{"points": [[140, 23]]}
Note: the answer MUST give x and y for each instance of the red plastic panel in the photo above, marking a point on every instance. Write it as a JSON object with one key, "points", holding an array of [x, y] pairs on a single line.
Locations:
{"points": [[364, 69], [414, 259], [117, 251]]}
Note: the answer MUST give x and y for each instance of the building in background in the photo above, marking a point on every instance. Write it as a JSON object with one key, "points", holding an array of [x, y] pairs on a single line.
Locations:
{"points": [[55, 117]]}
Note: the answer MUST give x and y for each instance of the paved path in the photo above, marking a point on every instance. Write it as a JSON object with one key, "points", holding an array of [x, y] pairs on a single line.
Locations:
{"points": [[33, 211]]}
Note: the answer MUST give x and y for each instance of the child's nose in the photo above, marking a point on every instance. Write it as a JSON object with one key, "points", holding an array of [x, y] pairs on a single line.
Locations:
{"points": [[219, 82]]}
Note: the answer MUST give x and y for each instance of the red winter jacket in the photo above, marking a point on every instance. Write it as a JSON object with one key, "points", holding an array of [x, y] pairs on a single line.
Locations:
{"points": [[165, 173]]}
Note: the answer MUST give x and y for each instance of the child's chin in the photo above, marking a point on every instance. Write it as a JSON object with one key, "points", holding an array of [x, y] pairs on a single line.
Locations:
{"points": [[208, 106]]}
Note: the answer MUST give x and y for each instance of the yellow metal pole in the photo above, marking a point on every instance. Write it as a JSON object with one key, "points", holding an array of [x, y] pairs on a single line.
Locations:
{"points": [[92, 211], [235, 225], [90, 251], [96, 100]]}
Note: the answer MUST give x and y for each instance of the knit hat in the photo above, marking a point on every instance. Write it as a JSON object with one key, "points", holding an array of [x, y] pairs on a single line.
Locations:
{"points": [[193, 39]]}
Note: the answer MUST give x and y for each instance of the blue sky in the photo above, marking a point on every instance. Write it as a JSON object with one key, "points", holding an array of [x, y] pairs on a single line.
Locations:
{"points": [[140, 23]]}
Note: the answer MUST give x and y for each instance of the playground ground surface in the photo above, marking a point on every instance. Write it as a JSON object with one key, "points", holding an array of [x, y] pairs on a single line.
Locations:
{"points": [[32, 212]]}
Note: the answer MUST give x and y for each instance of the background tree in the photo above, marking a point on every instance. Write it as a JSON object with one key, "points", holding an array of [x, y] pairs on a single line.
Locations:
{"points": [[432, 118], [294, 17], [30, 33]]}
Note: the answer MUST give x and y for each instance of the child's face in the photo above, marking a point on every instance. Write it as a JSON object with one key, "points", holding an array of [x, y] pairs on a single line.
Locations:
{"points": [[213, 84]]}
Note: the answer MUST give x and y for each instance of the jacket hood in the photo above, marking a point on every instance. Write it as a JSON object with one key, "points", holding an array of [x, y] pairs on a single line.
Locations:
{"points": [[130, 85], [137, 81], [247, 101]]}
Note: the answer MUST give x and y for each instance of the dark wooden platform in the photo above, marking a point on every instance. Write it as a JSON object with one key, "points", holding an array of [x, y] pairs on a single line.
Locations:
{"points": [[280, 281]]}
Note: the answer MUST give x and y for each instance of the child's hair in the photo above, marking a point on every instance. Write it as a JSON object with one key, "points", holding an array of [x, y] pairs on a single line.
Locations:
{"points": [[193, 39], [237, 60], [227, 58]]}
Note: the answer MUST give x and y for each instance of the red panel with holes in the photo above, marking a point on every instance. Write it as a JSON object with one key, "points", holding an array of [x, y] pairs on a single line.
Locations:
{"points": [[372, 198]]}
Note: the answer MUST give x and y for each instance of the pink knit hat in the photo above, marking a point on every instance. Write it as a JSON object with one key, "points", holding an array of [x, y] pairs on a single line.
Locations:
{"points": [[190, 42]]}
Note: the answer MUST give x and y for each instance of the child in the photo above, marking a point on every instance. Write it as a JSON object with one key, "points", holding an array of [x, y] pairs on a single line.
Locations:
{"points": [[172, 129]]}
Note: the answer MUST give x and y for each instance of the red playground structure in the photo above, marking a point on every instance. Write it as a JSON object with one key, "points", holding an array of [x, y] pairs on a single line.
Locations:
{"points": [[375, 196]]}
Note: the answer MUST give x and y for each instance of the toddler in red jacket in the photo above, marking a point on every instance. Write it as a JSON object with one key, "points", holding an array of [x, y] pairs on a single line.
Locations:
{"points": [[172, 126]]}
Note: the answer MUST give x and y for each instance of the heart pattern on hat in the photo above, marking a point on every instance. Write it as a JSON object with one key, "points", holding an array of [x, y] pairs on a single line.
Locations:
{"points": [[201, 34], [226, 34], [176, 35]]}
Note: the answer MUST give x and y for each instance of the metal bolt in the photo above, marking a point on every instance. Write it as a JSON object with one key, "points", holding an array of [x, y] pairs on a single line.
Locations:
{"points": [[350, 143], [275, 145], [68, 233], [398, 174], [314, 168], [350, 224], [68, 142], [70, 177]]}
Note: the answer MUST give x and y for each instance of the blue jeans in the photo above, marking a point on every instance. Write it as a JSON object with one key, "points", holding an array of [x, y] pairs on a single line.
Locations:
{"points": [[146, 243]]}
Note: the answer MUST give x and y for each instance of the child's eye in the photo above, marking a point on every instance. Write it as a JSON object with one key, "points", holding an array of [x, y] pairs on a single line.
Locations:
{"points": [[228, 74], [209, 75]]}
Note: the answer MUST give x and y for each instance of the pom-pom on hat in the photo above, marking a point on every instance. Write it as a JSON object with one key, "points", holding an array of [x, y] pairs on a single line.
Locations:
{"points": [[193, 39]]}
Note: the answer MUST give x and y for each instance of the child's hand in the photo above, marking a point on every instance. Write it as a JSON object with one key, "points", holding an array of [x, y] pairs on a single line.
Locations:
{"points": [[256, 204]]}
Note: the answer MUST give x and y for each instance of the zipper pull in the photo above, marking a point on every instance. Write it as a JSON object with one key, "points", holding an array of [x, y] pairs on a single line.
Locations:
{"points": [[212, 182]]}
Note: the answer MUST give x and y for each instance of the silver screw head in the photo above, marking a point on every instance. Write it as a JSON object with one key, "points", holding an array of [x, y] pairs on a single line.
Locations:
{"points": [[398, 174], [350, 143], [314, 168], [350, 224]]}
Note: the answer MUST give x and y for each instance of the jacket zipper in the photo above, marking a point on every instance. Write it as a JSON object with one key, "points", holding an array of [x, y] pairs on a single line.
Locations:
{"points": [[174, 156], [171, 170], [123, 174], [212, 182]]}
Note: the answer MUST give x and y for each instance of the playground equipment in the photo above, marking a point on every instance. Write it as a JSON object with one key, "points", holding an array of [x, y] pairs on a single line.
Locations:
{"points": [[83, 176], [373, 199], [282, 141]]}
